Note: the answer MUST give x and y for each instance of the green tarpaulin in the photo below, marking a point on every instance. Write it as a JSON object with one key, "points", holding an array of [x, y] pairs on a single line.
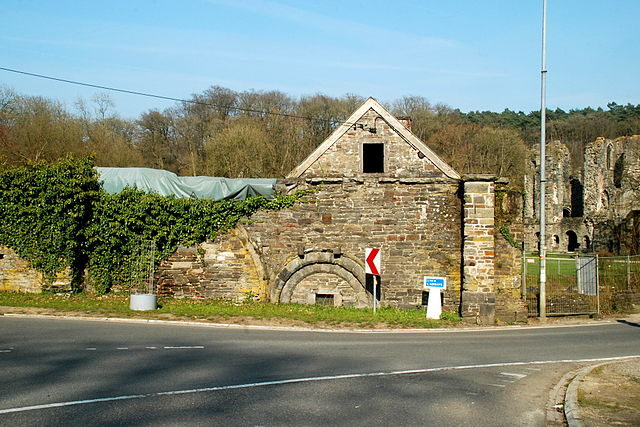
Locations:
{"points": [[166, 183]]}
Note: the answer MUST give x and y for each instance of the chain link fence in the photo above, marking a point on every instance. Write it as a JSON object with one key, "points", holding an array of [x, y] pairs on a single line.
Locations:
{"points": [[571, 286], [582, 284], [619, 282]]}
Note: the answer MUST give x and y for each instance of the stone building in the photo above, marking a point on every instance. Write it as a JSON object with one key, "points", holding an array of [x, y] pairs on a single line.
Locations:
{"points": [[376, 185], [594, 208]]}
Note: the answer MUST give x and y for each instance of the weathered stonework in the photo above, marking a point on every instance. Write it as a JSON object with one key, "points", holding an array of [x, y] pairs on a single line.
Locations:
{"points": [[478, 295], [16, 275], [227, 268], [509, 233], [587, 209]]}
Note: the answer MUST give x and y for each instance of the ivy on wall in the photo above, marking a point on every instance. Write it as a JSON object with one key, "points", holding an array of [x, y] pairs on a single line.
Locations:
{"points": [[56, 216], [44, 211]]}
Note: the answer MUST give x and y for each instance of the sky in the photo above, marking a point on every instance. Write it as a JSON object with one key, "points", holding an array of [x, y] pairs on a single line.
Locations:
{"points": [[467, 54]]}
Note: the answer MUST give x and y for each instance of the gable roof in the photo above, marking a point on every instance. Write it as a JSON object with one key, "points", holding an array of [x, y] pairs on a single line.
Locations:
{"points": [[406, 134]]}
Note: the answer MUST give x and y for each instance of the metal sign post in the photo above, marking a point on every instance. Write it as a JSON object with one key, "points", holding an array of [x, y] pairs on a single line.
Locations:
{"points": [[375, 294], [372, 266]]}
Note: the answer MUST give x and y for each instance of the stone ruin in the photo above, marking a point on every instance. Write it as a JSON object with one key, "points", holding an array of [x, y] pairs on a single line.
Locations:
{"points": [[595, 208]]}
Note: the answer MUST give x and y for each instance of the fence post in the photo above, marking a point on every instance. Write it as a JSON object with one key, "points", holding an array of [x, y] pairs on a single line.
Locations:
{"points": [[598, 283], [524, 275], [628, 272]]}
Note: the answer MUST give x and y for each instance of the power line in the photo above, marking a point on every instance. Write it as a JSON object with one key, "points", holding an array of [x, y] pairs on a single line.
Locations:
{"points": [[168, 98]]}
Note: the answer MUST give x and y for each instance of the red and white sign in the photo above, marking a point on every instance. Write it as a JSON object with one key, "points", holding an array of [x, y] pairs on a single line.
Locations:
{"points": [[372, 261]]}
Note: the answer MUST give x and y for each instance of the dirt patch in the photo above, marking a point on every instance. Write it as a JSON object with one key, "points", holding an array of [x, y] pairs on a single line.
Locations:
{"points": [[610, 395]]}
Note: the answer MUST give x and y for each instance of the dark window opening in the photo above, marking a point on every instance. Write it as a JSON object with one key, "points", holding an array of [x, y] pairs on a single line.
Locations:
{"points": [[372, 158], [618, 170], [325, 299], [587, 242], [577, 198], [566, 212]]}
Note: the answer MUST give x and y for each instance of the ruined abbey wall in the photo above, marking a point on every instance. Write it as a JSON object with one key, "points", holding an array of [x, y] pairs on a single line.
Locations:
{"points": [[587, 209]]}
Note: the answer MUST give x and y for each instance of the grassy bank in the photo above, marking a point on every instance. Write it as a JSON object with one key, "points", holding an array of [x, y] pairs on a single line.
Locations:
{"points": [[114, 305]]}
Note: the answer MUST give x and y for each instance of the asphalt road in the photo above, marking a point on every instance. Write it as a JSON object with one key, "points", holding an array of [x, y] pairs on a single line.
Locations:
{"points": [[70, 372]]}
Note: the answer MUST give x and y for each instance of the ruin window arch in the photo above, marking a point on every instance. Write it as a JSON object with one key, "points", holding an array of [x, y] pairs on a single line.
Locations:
{"points": [[586, 242], [577, 198], [556, 240], [538, 240], [566, 212], [618, 171], [608, 155], [572, 241]]}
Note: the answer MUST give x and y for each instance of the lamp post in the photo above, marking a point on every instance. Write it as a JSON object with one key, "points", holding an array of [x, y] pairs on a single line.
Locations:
{"points": [[543, 178]]}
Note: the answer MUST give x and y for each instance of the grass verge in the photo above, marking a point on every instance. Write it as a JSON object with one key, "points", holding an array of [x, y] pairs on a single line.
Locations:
{"points": [[117, 305]]}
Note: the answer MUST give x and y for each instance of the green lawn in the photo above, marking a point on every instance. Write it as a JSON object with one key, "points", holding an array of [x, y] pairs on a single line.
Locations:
{"points": [[117, 305]]}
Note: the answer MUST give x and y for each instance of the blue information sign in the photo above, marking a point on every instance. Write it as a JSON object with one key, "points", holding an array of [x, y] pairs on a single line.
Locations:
{"points": [[435, 282]]}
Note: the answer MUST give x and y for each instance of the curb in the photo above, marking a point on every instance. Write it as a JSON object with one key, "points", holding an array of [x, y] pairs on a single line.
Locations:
{"points": [[572, 410], [297, 328]]}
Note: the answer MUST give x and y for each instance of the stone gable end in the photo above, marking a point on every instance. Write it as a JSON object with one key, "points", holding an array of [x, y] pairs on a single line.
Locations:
{"points": [[347, 156]]}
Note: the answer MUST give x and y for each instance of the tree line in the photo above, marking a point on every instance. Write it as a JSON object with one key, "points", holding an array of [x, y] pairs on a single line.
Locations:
{"points": [[222, 132]]}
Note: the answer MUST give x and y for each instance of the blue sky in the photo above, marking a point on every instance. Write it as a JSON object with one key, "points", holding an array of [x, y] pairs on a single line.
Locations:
{"points": [[468, 54]]}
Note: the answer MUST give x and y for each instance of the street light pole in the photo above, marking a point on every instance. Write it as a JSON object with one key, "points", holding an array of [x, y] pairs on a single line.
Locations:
{"points": [[543, 178]]}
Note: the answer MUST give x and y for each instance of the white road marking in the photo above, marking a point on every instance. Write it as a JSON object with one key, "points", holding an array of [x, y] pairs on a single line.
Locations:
{"points": [[122, 348], [91, 348], [511, 374], [151, 348], [184, 346], [306, 380], [5, 351], [497, 385]]}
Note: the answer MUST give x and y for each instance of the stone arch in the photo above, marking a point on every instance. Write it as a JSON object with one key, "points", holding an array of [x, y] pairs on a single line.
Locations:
{"points": [[320, 262], [608, 156]]}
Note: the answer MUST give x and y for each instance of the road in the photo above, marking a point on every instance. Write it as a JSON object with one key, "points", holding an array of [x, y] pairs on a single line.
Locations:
{"points": [[72, 372]]}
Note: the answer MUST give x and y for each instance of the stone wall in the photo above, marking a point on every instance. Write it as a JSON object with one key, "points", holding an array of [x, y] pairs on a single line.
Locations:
{"points": [[17, 275], [416, 226], [226, 268], [509, 235], [478, 295]]}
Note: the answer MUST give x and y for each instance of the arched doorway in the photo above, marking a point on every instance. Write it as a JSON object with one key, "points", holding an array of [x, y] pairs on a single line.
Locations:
{"points": [[322, 278], [572, 241]]}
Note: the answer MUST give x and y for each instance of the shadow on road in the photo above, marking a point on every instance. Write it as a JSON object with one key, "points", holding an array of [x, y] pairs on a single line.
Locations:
{"points": [[626, 322]]}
